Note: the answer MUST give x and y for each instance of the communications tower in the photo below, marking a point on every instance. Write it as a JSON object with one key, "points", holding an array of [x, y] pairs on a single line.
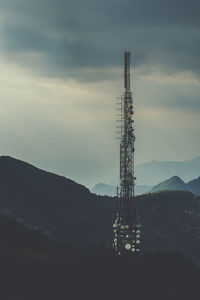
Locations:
{"points": [[126, 226]]}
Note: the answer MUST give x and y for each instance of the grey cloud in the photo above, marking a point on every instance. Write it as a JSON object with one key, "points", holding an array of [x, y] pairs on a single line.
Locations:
{"points": [[176, 96], [77, 35]]}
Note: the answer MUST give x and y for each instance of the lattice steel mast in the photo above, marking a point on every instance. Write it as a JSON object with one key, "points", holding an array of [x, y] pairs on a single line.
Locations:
{"points": [[126, 226]]}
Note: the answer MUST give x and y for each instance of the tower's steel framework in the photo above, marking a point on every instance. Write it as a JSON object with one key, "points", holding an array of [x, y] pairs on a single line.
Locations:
{"points": [[126, 226]]}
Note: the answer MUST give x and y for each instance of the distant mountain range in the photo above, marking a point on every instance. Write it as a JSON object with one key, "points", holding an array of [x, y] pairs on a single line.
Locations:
{"points": [[175, 183], [151, 173], [67, 211], [111, 190]]}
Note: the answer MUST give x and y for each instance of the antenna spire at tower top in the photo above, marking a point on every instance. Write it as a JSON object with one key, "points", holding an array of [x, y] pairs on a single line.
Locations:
{"points": [[127, 59]]}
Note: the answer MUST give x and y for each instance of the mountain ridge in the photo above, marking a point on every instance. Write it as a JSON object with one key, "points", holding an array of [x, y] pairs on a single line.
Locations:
{"points": [[175, 183], [151, 173], [67, 211], [105, 189]]}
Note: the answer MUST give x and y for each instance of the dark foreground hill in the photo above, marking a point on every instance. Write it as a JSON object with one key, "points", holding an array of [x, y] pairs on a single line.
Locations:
{"points": [[34, 267], [67, 211], [171, 220], [56, 205]]}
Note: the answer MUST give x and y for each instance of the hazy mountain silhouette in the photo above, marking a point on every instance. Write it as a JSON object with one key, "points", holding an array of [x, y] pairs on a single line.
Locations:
{"points": [[151, 173], [195, 161], [111, 190], [175, 183], [194, 186], [104, 189], [67, 211]]}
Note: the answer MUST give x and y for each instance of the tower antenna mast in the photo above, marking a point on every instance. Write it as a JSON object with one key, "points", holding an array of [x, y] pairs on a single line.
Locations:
{"points": [[126, 226]]}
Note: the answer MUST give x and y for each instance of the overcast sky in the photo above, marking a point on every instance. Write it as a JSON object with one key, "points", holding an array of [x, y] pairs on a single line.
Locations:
{"points": [[61, 67]]}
